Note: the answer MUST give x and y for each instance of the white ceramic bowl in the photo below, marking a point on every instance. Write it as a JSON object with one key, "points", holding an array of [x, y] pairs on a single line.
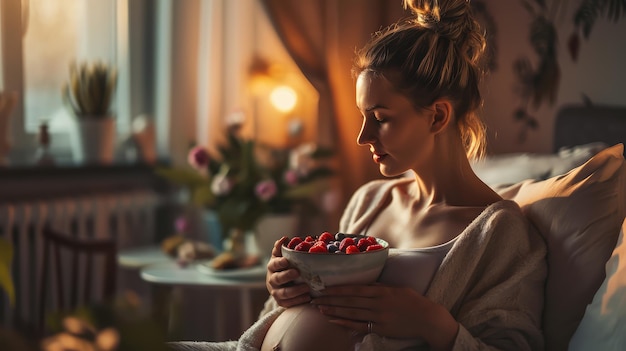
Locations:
{"points": [[320, 270]]}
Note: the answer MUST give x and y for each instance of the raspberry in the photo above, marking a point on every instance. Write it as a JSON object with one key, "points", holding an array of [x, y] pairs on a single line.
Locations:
{"points": [[309, 238], [374, 247], [303, 246], [362, 244], [345, 243], [319, 243], [352, 249], [318, 248], [326, 237], [294, 242], [372, 240]]}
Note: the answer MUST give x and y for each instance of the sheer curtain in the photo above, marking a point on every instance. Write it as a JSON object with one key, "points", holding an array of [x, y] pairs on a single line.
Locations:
{"points": [[322, 36]]}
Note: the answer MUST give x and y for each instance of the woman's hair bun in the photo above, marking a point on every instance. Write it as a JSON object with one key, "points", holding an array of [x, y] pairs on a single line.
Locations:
{"points": [[451, 19], [447, 17]]}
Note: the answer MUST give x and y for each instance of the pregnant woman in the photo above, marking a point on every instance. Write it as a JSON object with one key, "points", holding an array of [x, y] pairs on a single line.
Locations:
{"points": [[466, 271]]}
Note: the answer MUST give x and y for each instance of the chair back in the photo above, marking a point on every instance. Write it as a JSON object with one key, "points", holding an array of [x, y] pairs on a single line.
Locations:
{"points": [[77, 259]]}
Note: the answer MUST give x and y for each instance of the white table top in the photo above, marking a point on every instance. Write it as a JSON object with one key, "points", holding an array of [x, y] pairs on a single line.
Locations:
{"points": [[142, 256], [170, 273]]}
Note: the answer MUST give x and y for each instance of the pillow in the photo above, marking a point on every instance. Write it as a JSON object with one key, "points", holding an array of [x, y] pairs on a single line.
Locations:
{"points": [[570, 157], [579, 214], [507, 169], [603, 326]]}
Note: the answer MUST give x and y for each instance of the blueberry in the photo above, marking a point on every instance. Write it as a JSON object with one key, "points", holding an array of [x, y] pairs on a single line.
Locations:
{"points": [[339, 236], [332, 247]]}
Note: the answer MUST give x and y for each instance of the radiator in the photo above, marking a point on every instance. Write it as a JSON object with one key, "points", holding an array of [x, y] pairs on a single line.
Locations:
{"points": [[128, 217]]}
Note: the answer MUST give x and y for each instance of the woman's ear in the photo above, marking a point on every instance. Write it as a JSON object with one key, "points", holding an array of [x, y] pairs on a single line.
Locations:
{"points": [[442, 115]]}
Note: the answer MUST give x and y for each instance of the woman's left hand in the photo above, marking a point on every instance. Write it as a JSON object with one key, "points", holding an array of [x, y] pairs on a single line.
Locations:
{"points": [[393, 311]]}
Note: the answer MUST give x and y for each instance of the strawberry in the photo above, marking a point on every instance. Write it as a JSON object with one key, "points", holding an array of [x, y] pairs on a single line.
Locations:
{"points": [[371, 239], [309, 238], [345, 243], [318, 248], [374, 247], [294, 242], [352, 249]]}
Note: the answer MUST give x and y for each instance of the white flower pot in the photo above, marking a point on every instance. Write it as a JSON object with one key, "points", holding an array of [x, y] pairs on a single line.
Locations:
{"points": [[93, 140]]}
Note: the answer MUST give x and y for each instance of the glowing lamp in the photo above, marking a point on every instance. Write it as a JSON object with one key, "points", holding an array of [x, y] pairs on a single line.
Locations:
{"points": [[283, 98]]}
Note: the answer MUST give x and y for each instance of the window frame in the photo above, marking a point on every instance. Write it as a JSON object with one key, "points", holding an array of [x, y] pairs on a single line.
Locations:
{"points": [[131, 95]]}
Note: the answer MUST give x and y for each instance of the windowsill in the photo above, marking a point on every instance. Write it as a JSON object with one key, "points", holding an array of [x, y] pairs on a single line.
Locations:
{"points": [[24, 182]]}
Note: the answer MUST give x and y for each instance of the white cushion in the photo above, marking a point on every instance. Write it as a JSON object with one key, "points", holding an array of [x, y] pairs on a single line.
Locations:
{"points": [[603, 326], [579, 214], [575, 156], [507, 169]]}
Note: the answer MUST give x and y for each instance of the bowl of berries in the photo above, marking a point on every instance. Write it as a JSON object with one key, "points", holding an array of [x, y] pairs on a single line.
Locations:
{"points": [[338, 259]]}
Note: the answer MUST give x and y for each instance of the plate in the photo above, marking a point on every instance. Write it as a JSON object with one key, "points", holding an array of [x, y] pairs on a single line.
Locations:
{"points": [[257, 271]]}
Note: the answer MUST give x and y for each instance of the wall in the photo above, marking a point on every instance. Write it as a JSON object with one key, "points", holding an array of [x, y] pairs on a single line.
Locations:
{"points": [[598, 73]]}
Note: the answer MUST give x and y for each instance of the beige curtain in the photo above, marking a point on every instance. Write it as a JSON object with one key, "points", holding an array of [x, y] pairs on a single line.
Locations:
{"points": [[322, 36]]}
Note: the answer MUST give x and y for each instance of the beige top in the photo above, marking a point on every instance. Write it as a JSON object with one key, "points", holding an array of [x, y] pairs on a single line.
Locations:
{"points": [[421, 262]]}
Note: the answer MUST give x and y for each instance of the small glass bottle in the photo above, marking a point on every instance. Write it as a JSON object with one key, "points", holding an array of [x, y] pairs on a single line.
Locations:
{"points": [[44, 157]]}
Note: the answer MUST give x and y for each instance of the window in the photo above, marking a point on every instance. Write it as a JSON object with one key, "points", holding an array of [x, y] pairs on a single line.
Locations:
{"points": [[41, 38], [57, 33], [174, 61]]}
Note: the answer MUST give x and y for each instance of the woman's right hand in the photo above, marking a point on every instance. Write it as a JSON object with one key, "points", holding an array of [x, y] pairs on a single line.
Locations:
{"points": [[280, 279]]}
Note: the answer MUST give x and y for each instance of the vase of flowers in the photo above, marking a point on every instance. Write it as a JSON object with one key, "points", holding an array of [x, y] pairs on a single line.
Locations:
{"points": [[89, 94], [245, 181]]}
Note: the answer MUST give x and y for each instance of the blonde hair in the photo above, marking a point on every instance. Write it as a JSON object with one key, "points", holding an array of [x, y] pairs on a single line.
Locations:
{"points": [[436, 54]]}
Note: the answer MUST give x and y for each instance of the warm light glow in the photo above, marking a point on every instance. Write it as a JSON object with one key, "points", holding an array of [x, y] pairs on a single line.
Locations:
{"points": [[284, 98]]}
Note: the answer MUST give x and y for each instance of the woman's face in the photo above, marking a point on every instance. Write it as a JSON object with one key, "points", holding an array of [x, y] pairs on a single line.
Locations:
{"points": [[398, 135]]}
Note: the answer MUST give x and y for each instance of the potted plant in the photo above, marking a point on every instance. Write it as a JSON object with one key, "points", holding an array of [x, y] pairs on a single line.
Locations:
{"points": [[247, 184], [89, 94]]}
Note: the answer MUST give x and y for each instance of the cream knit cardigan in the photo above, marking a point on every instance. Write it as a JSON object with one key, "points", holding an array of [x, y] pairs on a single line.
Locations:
{"points": [[491, 281]]}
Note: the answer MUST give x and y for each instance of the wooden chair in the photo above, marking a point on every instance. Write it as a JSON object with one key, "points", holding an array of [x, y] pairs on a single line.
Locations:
{"points": [[58, 248]]}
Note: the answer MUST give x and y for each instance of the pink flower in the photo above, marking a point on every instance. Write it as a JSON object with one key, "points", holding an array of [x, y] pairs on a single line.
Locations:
{"points": [[266, 189], [291, 177], [198, 157]]}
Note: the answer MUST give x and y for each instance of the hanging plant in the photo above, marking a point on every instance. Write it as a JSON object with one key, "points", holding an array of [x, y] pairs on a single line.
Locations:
{"points": [[539, 84]]}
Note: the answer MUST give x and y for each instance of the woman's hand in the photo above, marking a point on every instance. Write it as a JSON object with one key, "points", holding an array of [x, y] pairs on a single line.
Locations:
{"points": [[280, 280], [393, 311]]}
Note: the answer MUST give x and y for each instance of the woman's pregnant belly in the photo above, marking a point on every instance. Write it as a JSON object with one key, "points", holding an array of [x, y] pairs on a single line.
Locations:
{"points": [[304, 328]]}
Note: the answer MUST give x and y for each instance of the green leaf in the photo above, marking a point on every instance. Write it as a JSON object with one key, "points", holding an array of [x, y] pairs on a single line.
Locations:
{"points": [[590, 10], [6, 281], [203, 196], [306, 190], [185, 177]]}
